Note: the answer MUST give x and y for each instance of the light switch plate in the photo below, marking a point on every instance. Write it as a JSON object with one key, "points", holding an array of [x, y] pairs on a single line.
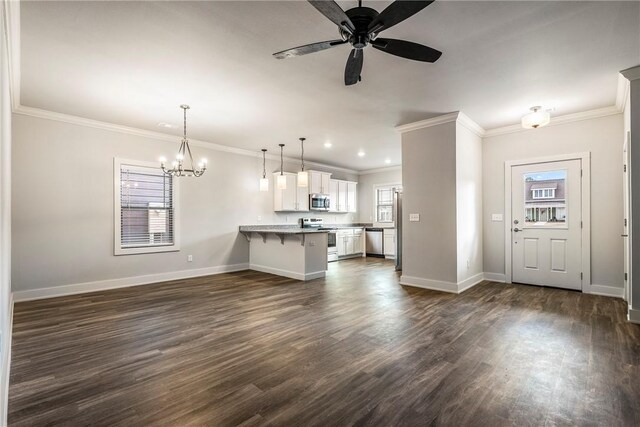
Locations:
{"points": [[414, 217], [496, 217]]}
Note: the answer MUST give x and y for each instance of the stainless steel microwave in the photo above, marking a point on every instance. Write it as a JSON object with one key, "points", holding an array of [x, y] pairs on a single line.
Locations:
{"points": [[319, 202]]}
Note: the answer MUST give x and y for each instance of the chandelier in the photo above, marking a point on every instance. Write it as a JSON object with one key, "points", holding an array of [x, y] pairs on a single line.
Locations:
{"points": [[178, 167]]}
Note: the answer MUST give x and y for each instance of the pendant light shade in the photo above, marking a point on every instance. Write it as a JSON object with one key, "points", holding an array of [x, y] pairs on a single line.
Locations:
{"points": [[303, 176], [536, 118], [264, 181], [282, 179]]}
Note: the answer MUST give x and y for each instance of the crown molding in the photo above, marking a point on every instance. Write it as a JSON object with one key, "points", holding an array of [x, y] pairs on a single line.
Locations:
{"points": [[559, 120], [381, 170], [623, 92], [468, 123], [159, 136], [434, 121], [632, 73]]}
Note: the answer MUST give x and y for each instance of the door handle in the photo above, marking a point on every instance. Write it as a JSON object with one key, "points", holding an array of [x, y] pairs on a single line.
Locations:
{"points": [[515, 230], [624, 235]]}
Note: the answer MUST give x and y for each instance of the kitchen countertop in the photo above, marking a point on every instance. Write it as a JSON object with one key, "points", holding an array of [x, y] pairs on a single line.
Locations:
{"points": [[279, 229]]}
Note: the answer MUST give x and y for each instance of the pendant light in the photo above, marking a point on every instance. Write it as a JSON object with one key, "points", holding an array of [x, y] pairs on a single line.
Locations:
{"points": [[536, 118], [303, 176], [264, 181], [282, 179], [178, 167]]}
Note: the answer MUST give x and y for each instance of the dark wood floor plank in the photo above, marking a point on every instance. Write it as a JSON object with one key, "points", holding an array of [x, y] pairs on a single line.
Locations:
{"points": [[354, 348]]}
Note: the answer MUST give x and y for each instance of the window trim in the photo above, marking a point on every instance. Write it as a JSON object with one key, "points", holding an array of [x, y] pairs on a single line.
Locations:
{"points": [[377, 187], [117, 247]]}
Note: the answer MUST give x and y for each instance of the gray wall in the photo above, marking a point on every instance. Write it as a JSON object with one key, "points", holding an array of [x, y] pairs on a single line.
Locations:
{"points": [[429, 189], [603, 138], [468, 202], [5, 220], [365, 190], [63, 205]]}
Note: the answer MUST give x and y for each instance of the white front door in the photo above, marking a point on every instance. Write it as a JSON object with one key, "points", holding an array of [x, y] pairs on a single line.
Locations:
{"points": [[546, 242]]}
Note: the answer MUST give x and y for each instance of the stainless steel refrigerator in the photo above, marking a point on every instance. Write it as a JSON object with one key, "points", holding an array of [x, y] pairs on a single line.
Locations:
{"points": [[397, 216]]}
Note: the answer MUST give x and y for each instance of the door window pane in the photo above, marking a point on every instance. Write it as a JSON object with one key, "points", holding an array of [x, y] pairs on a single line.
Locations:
{"points": [[545, 204]]}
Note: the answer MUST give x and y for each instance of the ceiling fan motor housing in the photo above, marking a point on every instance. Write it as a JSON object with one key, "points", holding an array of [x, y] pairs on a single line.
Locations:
{"points": [[361, 18]]}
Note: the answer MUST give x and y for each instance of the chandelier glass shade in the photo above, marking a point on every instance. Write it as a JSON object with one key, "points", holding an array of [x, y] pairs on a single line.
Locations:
{"points": [[178, 166], [303, 176], [536, 118]]}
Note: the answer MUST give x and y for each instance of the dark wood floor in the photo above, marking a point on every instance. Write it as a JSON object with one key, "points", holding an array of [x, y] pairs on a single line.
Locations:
{"points": [[352, 349]]}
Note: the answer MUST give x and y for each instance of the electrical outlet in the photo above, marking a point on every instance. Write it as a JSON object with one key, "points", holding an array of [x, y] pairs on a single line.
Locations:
{"points": [[468, 264], [189, 258], [259, 218]]}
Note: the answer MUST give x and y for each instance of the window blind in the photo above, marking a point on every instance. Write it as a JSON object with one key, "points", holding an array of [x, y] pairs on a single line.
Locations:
{"points": [[146, 207]]}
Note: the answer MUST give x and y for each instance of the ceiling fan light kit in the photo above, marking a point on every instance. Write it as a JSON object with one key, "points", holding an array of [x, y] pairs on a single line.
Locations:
{"points": [[360, 27], [537, 118]]}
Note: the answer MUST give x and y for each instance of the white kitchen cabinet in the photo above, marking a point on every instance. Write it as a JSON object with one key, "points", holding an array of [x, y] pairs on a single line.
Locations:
{"points": [[352, 200], [291, 199], [342, 196], [350, 242], [333, 195], [319, 182], [389, 242], [358, 242]]}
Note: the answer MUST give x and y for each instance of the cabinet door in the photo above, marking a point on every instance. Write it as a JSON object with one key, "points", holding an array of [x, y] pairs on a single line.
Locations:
{"points": [[302, 197], [324, 183], [358, 241], [390, 243], [315, 182], [341, 243], [342, 197], [349, 249], [333, 195], [289, 200], [351, 197]]}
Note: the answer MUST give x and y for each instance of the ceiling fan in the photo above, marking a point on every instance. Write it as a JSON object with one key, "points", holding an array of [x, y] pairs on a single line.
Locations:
{"points": [[360, 27]]}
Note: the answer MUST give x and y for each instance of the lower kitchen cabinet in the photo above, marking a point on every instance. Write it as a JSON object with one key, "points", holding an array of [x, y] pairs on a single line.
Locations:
{"points": [[350, 242], [389, 243]]}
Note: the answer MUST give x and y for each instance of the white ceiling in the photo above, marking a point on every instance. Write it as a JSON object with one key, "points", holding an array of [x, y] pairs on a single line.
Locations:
{"points": [[133, 63]]}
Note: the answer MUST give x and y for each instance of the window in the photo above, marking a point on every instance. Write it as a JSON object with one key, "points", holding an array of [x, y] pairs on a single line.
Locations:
{"points": [[145, 214], [384, 203], [544, 193], [544, 203]]}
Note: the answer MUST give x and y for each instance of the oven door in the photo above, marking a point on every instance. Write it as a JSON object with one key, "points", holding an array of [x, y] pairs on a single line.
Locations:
{"points": [[331, 239]]}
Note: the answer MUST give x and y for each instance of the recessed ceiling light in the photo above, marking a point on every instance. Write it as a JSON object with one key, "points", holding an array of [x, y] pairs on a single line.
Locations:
{"points": [[165, 125], [387, 161], [361, 153], [327, 144]]}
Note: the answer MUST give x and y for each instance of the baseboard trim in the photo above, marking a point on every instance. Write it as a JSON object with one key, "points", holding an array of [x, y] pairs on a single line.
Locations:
{"points": [[495, 277], [6, 368], [434, 285], [470, 282], [633, 315], [124, 282], [287, 273], [607, 291]]}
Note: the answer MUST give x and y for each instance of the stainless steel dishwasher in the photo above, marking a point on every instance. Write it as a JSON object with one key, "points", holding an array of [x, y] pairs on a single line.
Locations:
{"points": [[375, 240]]}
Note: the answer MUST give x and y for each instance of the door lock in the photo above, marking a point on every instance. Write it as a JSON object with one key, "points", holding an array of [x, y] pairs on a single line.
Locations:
{"points": [[515, 230]]}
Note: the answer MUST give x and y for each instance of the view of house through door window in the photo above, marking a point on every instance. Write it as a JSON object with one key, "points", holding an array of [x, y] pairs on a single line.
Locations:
{"points": [[545, 198]]}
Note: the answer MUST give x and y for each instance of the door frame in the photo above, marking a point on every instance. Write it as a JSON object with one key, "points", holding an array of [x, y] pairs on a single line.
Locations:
{"points": [[585, 159]]}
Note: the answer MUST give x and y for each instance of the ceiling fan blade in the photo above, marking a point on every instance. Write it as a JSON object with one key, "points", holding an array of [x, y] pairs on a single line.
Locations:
{"points": [[331, 10], [395, 13], [308, 48], [406, 49], [354, 67]]}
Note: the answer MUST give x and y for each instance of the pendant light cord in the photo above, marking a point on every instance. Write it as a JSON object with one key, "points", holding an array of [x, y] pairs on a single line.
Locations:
{"points": [[302, 153], [264, 160], [281, 159]]}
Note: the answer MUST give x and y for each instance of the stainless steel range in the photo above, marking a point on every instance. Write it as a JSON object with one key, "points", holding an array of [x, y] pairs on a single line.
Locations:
{"points": [[332, 249]]}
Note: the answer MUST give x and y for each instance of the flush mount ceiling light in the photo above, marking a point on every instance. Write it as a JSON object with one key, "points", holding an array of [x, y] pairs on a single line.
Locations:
{"points": [[264, 181], [536, 118], [303, 176], [177, 166], [282, 179]]}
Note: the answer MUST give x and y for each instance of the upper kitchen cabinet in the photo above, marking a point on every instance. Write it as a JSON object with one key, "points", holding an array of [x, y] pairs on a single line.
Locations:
{"points": [[291, 199], [343, 196], [319, 182]]}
